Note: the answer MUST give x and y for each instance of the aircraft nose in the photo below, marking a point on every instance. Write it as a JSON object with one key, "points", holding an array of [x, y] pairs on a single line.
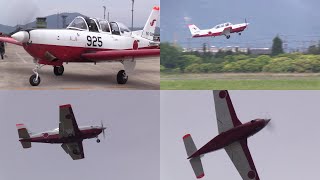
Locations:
{"points": [[21, 36], [267, 121]]}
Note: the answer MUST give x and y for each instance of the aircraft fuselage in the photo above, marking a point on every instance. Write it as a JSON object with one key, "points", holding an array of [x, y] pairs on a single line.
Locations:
{"points": [[54, 137], [235, 134]]}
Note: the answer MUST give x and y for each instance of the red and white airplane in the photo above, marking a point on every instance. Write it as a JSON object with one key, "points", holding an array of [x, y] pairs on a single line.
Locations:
{"points": [[88, 40], [233, 138], [219, 30], [68, 134]]}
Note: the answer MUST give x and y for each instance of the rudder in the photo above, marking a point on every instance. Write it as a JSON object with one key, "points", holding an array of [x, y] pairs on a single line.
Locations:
{"points": [[150, 26], [193, 29], [195, 161]]}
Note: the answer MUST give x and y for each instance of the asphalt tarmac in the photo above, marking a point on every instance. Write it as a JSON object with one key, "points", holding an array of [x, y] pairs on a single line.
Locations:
{"points": [[16, 69]]}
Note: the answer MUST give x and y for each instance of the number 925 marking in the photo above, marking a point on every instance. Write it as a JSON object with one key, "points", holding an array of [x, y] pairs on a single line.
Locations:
{"points": [[94, 41]]}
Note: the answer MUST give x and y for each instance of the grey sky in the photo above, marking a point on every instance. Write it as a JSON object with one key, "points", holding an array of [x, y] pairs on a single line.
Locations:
{"points": [[288, 150], [21, 11], [130, 150]]}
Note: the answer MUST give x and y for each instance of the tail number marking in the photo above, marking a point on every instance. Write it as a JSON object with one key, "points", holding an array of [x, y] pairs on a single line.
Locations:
{"points": [[92, 41]]}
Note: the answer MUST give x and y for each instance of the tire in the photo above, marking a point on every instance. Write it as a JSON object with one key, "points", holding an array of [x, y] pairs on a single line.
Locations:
{"points": [[32, 80], [58, 70], [122, 78], [98, 140], [1, 55]]}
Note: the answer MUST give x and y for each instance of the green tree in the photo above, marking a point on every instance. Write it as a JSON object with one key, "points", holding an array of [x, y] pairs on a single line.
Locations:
{"points": [[169, 55], [277, 46]]}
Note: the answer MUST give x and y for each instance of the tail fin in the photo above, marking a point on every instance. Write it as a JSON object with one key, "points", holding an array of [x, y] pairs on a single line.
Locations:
{"points": [[194, 29], [196, 161], [150, 26], [23, 134]]}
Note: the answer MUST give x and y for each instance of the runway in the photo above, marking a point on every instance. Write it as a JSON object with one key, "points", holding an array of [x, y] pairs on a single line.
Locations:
{"points": [[16, 68]]}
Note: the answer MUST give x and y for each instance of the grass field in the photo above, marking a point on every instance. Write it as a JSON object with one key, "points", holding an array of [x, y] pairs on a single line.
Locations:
{"points": [[241, 81]]}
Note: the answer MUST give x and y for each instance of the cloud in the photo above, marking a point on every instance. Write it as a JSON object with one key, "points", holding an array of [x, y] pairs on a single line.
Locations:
{"points": [[187, 19]]}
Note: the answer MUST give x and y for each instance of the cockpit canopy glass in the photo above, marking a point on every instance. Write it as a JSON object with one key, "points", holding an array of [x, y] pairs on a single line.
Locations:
{"points": [[78, 23], [123, 28], [104, 26], [92, 25]]}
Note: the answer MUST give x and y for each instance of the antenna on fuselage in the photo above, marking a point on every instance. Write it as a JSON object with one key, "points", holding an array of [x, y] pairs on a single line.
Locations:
{"points": [[132, 17]]}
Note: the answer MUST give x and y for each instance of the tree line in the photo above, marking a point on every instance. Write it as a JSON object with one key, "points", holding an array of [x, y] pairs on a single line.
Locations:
{"points": [[176, 61]]}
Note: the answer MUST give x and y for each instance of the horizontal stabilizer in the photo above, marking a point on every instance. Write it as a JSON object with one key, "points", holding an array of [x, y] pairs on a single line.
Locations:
{"points": [[195, 161], [23, 134], [26, 144], [197, 167]]}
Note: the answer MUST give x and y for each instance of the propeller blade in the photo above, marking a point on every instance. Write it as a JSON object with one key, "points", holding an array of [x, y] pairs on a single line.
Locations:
{"points": [[103, 128]]}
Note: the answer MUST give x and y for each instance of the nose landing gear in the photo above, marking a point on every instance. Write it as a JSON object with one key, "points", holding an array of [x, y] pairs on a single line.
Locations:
{"points": [[35, 80], [98, 140]]}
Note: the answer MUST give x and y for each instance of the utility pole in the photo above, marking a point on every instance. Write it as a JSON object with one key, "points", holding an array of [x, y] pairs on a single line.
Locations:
{"points": [[104, 12], [64, 21], [132, 17]]}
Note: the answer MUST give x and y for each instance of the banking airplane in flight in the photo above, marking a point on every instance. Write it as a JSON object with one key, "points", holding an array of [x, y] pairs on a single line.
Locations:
{"points": [[68, 134], [224, 29], [88, 40], [232, 137]]}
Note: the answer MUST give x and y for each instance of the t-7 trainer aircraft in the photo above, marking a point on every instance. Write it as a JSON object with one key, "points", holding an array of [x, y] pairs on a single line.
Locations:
{"points": [[68, 134], [233, 138], [88, 40], [222, 29]]}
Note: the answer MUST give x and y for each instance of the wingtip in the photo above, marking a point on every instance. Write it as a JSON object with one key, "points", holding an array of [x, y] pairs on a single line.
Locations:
{"points": [[157, 8], [186, 136], [200, 176], [65, 106]]}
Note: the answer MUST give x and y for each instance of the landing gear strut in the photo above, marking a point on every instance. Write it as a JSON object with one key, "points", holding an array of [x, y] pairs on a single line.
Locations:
{"points": [[98, 140], [122, 77], [35, 80], [58, 70]]}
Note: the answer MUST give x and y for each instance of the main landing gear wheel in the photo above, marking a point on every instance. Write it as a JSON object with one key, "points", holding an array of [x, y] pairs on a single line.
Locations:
{"points": [[239, 34], [228, 36], [98, 140], [122, 77], [34, 80], [58, 70]]}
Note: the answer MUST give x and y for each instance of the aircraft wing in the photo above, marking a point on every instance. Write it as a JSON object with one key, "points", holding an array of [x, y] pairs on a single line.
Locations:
{"points": [[68, 124], [240, 156], [226, 115], [10, 40], [120, 54], [75, 150]]}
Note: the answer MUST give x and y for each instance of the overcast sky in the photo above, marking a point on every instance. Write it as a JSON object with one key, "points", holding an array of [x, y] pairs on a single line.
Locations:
{"points": [[289, 150], [130, 150], [295, 20], [21, 12]]}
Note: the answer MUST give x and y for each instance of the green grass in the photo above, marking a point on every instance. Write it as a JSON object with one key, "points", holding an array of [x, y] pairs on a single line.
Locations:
{"points": [[241, 81]]}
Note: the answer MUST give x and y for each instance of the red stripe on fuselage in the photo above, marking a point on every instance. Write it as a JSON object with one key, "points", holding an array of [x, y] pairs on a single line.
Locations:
{"points": [[64, 53], [239, 29]]}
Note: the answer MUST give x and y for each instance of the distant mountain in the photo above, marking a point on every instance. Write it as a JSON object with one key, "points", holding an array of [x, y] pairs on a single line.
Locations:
{"points": [[53, 21], [6, 29]]}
